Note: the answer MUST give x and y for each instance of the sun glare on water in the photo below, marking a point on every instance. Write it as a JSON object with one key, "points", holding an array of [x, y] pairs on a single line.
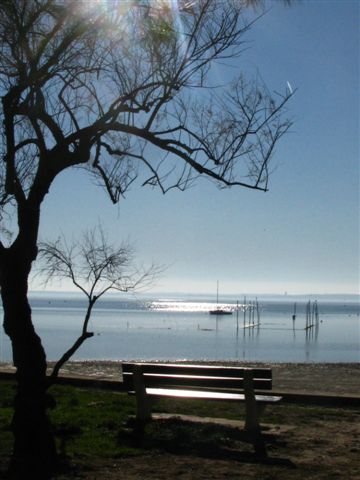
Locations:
{"points": [[186, 307]]}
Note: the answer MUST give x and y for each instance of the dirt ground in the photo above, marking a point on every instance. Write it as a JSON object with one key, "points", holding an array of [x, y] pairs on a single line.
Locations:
{"points": [[321, 450], [311, 443]]}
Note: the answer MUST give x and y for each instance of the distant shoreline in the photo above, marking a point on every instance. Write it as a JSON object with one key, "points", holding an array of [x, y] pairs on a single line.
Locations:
{"points": [[353, 297]]}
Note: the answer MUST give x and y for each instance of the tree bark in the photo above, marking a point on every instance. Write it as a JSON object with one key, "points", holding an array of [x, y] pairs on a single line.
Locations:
{"points": [[34, 445]]}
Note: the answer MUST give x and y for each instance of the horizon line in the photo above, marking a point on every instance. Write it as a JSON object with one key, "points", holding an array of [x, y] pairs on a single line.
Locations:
{"points": [[176, 292]]}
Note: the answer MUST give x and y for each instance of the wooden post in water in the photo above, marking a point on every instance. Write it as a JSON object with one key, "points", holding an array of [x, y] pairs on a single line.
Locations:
{"points": [[312, 314], [237, 316], [257, 311], [244, 311], [307, 316]]}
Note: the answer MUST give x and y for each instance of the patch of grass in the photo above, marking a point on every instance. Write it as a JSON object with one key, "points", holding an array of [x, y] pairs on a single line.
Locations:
{"points": [[89, 422], [85, 422], [6, 411]]}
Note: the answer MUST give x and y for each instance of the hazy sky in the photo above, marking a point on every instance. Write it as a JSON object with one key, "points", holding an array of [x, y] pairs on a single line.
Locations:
{"points": [[300, 237]]}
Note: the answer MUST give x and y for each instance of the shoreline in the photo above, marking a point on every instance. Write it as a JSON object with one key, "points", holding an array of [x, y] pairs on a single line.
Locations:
{"points": [[323, 378]]}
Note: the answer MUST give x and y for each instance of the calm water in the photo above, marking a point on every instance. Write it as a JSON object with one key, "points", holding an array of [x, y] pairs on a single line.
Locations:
{"points": [[175, 328]]}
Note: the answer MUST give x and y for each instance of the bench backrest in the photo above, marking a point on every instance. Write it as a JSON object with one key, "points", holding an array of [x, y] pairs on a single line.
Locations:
{"points": [[199, 377]]}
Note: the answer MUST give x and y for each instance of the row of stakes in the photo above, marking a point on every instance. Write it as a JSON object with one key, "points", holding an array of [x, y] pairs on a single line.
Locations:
{"points": [[250, 310], [251, 317], [311, 315]]}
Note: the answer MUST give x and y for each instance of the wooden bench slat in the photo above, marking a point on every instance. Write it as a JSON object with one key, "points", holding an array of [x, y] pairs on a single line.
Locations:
{"points": [[157, 380], [169, 392], [206, 370]]}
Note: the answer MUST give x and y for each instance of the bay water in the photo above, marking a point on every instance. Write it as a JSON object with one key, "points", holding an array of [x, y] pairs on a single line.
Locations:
{"points": [[179, 327]]}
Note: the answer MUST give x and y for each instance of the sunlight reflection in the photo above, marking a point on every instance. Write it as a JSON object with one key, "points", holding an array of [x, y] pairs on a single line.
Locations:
{"points": [[174, 306]]}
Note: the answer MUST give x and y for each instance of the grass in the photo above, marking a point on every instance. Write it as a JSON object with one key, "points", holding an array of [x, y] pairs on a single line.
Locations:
{"points": [[93, 426], [89, 422], [85, 422], [6, 409]]}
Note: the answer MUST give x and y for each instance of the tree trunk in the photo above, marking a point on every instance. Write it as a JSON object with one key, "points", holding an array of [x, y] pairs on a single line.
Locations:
{"points": [[34, 446]]}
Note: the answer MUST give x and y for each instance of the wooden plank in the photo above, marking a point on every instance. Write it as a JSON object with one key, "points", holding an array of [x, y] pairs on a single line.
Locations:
{"points": [[196, 369], [156, 380], [205, 370], [193, 394]]}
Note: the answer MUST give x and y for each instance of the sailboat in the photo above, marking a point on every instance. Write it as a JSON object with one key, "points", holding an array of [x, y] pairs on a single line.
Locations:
{"points": [[218, 310]]}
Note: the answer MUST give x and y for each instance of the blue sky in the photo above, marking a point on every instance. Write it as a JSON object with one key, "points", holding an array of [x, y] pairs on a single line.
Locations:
{"points": [[300, 237]]}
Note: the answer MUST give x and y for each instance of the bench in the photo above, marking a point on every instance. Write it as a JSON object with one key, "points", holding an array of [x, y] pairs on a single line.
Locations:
{"points": [[151, 381]]}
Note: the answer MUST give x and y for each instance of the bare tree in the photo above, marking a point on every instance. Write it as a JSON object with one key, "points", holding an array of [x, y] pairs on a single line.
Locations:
{"points": [[95, 267], [126, 91]]}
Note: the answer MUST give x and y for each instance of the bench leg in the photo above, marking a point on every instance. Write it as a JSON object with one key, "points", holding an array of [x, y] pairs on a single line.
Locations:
{"points": [[252, 412], [143, 409], [253, 429], [251, 406], [259, 445], [143, 402]]}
